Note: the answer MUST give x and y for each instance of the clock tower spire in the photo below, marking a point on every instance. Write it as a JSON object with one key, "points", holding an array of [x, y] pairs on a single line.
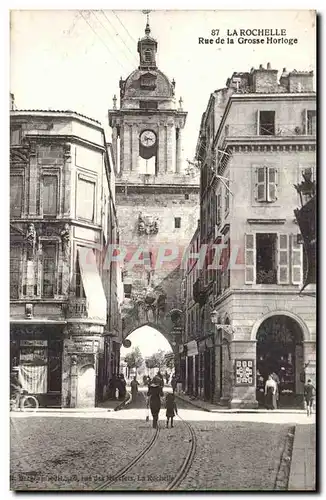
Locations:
{"points": [[147, 48]]}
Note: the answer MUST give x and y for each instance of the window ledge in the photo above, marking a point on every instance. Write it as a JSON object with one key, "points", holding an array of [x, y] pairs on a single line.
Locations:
{"points": [[266, 221]]}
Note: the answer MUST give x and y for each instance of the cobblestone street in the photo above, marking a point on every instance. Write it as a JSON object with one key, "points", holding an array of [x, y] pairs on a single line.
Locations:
{"points": [[203, 451]]}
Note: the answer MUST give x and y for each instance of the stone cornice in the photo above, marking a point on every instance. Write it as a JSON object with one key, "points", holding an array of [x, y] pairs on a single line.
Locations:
{"points": [[242, 145]]}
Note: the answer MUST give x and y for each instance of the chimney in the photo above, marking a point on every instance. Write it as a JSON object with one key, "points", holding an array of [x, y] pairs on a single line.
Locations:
{"points": [[300, 81], [264, 81]]}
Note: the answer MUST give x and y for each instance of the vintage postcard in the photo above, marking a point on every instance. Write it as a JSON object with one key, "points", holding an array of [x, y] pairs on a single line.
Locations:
{"points": [[163, 250]]}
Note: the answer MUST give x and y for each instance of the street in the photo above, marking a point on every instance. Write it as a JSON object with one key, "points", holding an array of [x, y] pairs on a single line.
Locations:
{"points": [[108, 450]]}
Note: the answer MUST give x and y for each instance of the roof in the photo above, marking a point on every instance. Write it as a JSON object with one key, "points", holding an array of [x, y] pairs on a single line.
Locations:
{"points": [[55, 111]]}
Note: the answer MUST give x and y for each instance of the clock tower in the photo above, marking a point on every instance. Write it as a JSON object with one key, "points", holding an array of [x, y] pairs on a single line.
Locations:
{"points": [[156, 197]]}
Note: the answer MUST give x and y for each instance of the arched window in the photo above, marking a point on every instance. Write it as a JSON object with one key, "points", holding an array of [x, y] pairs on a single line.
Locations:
{"points": [[148, 55]]}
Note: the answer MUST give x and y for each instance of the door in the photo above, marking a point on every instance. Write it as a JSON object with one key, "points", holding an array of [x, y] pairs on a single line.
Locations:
{"points": [[86, 387]]}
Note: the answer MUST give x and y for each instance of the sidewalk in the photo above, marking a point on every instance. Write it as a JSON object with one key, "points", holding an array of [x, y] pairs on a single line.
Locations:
{"points": [[204, 405], [303, 464]]}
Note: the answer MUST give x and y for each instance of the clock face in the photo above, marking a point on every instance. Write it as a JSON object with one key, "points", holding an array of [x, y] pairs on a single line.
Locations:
{"points": [[147, 138]]}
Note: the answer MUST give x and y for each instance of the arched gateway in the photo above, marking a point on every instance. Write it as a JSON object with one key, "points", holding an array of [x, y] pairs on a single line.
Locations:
{"points": [[280, 351]]}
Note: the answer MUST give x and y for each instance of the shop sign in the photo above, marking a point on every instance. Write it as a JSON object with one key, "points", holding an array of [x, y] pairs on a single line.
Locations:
{"points": [[202, 346], [33, 343], [181, 348], [244, 372], [82, 345], [209, 343]]}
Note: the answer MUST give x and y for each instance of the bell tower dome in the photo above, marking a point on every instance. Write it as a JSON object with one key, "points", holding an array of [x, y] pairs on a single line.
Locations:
{"points": [[147, 48]]}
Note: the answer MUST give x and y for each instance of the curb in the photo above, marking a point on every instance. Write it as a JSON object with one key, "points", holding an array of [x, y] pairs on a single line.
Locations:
{"points": [[237, 410]]}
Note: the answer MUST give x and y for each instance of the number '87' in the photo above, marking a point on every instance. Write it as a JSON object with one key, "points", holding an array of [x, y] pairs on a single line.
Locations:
{"points": [[215, 32]]}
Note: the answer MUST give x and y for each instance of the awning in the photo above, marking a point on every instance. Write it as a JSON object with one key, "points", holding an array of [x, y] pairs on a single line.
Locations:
{"points": [[92, 283], [192, 348]]}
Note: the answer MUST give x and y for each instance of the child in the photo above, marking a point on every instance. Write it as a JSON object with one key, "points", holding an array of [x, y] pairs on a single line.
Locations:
{"points": [[171, 408], [309, 393]]}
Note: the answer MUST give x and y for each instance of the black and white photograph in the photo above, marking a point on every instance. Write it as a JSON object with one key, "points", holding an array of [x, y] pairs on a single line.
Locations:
{"points": [[163, 190]]}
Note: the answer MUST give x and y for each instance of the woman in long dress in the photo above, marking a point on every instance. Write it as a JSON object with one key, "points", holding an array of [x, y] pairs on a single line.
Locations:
{"points": [[155, 393], [270, 393]]}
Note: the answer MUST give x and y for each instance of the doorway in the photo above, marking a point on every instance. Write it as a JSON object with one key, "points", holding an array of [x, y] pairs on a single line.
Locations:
{"points": [[280, 351]]}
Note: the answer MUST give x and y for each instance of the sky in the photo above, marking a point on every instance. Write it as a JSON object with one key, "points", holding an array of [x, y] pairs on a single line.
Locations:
{"points": [[69, 59], [148, 340]]}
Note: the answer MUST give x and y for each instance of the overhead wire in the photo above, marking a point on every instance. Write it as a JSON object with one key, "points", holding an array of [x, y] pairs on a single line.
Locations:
{"points": [[133, 40], [100, 38], [111, 37], [132, 53]]}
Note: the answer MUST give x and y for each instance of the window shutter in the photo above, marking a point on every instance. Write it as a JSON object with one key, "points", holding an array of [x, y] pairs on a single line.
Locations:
{"points": [[250, 258], [258, 122], [283, 259], [296, 260], [304, 122], [272, 184], [260, 194]]}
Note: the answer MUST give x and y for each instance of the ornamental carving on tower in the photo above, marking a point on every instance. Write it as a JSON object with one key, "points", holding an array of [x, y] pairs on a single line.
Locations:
{"points": [[30, 241], [147, 224]]}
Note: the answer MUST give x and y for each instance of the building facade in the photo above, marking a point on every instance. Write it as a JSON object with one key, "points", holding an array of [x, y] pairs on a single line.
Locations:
{"points": [[257, 136], [65, 318], [156, 196]]}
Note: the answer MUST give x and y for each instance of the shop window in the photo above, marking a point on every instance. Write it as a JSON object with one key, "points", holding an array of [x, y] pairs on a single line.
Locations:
{"points": [[50, 194], [86, 199], [15, 276], [49, 256], [266, 184], [33, 366], [266, 123], [16, 195]]}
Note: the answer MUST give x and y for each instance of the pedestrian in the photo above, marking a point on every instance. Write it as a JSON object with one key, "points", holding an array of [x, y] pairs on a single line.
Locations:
{"points": [[155, 393], [160, 376], [122, 386], [309, 392], [167, 377], [173, 383], [134, 388], [171, 408], [277, 396], [270, 393]]}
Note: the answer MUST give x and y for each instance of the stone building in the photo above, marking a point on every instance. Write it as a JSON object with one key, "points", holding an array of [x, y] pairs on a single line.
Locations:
{"points": [[257, 136], [156, 196], [65, 318]]}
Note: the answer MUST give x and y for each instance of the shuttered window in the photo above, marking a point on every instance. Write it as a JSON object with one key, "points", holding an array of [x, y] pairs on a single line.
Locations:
{"points": [[250, 258], [283, 259], [50, 194], [16, 195], [49, 261], [296, 260], [266, 184]]}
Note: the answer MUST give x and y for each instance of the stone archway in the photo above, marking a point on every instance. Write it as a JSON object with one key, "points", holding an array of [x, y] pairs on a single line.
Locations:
{"points": [[279, 350]]}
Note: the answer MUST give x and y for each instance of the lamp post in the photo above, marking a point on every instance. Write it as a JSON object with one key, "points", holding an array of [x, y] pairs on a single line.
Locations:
{"points": [[306, 218]]}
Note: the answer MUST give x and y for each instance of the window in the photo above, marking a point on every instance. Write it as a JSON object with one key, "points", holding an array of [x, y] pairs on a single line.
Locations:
{"points": [[266, 259], [79, 290], [266, 184], [148, 104], [50, 194], [148, 55], [15, 260], [177, 222], [272, 258], [127, 291], [186, 196], [49, 254], [86, 199], [311, 122], [227, 197], [15, 136], [16, 195], [266, 123]]}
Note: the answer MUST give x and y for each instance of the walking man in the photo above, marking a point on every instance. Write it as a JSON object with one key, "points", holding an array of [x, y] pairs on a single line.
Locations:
{"points": [[309, 394]]}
